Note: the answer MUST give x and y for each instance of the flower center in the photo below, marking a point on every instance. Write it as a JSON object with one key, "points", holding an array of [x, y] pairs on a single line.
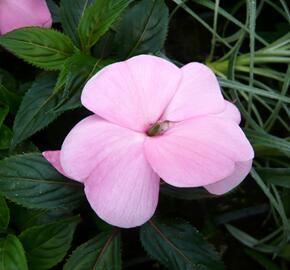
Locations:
{"points": [[157, 129]]}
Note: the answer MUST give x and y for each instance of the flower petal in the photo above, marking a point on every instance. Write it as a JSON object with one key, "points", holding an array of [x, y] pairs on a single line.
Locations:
{"points": [[53, 157], [92, 140], [198, 152], [123, 189], [21, 13], [231, 112], [225, 185], [133, 93], [198, 94]]}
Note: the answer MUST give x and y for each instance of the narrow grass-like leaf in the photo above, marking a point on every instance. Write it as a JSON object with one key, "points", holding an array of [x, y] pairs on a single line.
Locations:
{"points": [[262, 140], [249, 241], [31, 181], [275, 176], [261, 259], [242, 87], [101, 252]]}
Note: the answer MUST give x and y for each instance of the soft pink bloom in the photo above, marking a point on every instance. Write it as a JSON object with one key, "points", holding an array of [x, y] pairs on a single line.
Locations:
{"points": [[21, 13], [199, 141]]}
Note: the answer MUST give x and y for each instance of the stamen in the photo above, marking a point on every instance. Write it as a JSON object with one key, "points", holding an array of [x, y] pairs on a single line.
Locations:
{"points": [[153, 130]]}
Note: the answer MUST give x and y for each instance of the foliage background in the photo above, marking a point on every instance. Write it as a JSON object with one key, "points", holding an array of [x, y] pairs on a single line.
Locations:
{"points": [[46, 223]]}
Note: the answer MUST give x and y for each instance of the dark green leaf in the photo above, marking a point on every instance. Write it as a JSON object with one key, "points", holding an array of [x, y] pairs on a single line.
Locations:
{"points": [[8, 80], [179, 246], [24, 218], [31, 181], [142, 29], [54, 10], [12, 256], [97, 20], [5, 137], [275, 176], [44, 48], [263, 141], [4, 109], [102, 252], [261, 259], [35, 110], [71, 12], [76, 72], [9, 98], [4, 214], [104, 48], [185, 193], [250, 241], [46, 245]]}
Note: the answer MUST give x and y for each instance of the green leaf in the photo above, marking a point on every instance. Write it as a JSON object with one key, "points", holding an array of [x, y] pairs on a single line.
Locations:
{"points": [[101, 252], [276, 176], [9, 98], [35, 109], [76, 72], [5, 137], [24, 218], [31, 181], [54, 10], [184, 193], [44, 48], [70, 13], [12, 256], [178, 245], [143, 28], [8, 80], [250, 241], [97, 20], [4, 215], [261, 259], [46, 245], [263, 141], [4, 109]]}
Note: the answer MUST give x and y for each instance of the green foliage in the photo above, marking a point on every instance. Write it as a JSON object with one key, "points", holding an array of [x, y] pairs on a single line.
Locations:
{"points": [[44, 48], [184, 193], [12, 255], [46, 245], [8, 97], [76, 71], [142, 29], [4, 214], [35, 111], [30, 180], [97, 19], [101, 252], [252, 65], [178, 245], [71, 13]]}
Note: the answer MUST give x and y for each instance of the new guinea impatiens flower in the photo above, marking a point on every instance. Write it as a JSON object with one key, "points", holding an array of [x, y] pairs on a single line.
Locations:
{"points": [[22, 13], [152, 120]]}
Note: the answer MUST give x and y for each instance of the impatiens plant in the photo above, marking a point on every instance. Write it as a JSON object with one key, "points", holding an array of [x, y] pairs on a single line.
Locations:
{"points": [[152, 120], [126, 131]]}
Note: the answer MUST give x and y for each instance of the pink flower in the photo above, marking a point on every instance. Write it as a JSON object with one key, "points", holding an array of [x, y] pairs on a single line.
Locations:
{"points": [[21, 13], [151, 120]]}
